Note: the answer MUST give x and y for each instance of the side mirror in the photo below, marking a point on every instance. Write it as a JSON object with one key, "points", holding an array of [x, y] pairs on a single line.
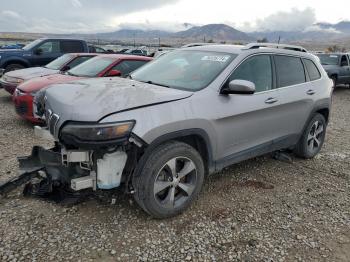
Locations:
{"points": [[113, 73], [65, 68], [241, 87], [38, 51]]}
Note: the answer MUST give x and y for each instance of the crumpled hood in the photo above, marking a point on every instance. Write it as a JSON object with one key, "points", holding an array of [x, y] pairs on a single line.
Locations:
{"points": [[93, 99], [29, 73], [38, 83]]}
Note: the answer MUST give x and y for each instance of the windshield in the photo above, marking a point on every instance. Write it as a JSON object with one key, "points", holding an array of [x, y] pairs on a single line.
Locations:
{"points": [[92, 67], [184, 69], [32, 44], [329, 59], [58, 63]]}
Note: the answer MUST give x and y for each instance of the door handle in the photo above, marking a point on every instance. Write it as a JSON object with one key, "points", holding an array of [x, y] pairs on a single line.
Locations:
{"points": [[271, 100], [310, 92]]}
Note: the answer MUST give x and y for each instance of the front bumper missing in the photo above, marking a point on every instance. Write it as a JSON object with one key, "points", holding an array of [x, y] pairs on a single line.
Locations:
{"points": [[30, 167]]}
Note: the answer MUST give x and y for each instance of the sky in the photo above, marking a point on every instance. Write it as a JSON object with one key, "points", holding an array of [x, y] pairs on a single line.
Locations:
{"points": [[91, 16]]}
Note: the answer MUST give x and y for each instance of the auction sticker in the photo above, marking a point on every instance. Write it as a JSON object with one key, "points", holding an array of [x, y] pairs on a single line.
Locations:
{"points": [[215, 58]]}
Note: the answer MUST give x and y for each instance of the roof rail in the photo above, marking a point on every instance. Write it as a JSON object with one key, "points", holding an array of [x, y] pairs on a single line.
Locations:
{"points": [[273, 45]]}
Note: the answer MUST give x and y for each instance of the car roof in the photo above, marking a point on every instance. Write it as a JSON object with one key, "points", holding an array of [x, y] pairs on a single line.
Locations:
{"points": [[241, 49], [126, 56]]}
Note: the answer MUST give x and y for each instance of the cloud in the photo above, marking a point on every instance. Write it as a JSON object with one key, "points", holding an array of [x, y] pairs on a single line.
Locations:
{"points": [[317, 28], [293, 20], [163, 26], [69, 16]]}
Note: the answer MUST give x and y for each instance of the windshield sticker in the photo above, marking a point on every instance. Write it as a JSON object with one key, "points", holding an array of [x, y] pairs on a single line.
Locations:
{"points": [[215, 58], [333, 56]]}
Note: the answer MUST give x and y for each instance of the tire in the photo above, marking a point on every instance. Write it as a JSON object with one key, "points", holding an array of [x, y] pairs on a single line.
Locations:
{"points": [[163, 192], [13, 67], [335, 81], [312, 138]]}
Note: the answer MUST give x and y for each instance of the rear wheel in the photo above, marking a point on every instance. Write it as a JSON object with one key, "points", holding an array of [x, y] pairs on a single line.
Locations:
{"points": [[313, 137], [13, 67], [170, 180]]}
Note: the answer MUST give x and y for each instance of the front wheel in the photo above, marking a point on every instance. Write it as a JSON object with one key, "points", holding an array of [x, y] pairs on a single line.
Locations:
{"points": [[170, 180], [13, 67], [313, 137]]}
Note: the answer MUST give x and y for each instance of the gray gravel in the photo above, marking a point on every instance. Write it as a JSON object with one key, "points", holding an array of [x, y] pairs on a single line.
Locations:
{"points": [[259, 210]]}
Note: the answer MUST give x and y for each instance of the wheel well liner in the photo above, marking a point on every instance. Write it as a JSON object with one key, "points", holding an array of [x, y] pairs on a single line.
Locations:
{"points": [[20, 62]]}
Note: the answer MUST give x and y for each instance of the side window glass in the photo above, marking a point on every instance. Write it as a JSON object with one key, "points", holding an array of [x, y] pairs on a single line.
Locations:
{"points": [[344, 61], [79, 60], [127, 66], [257, 69], [50, 47], [290, 70], [311, 68], [72, 47]]}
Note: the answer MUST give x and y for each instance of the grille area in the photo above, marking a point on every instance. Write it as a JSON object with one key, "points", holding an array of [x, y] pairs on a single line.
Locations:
{"points": [[22, 108]]}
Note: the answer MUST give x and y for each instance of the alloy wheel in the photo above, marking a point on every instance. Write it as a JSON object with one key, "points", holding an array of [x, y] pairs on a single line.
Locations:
{"points": [[315, 136], [175, 182]]}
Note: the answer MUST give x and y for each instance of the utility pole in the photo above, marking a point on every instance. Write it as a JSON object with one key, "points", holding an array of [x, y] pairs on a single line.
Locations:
{"points": [[158, 42]]}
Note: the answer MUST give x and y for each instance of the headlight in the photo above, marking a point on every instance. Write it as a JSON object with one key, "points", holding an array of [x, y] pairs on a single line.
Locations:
{"points": [[14, 80], [98, 132]]}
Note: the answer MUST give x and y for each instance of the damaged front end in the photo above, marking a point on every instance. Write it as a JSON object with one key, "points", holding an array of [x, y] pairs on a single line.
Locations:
{"points": [[87, 157]]}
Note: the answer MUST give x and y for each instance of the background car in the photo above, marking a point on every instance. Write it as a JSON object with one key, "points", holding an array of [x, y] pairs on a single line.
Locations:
{"points": [[12, 79], [100, 66], [40, 52], [337, 66], [12, 46]]}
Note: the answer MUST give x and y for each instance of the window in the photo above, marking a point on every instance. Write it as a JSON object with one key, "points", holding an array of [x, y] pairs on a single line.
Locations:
{"points": [[58, 63], [184, 69], [311, 68], [127, 66], [344, 61], [72, 47], [257, 69], [290, 70], [78, 60], [50, 47], [92, 67]]}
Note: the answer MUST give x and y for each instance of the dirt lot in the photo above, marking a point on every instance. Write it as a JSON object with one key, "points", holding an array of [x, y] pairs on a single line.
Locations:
{"points": [[259, 210]]}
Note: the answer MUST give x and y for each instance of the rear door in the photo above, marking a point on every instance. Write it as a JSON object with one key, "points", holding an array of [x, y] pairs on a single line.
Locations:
{"points": [[296, 94], [49, 51], [72, 46]]}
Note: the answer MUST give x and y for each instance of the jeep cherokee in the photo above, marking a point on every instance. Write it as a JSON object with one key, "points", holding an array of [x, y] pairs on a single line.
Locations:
{"points": [[187, 114]]}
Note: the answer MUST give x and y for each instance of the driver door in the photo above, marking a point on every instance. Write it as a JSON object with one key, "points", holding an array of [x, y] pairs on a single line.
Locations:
{"points": [[46, 52], [247, 124]]}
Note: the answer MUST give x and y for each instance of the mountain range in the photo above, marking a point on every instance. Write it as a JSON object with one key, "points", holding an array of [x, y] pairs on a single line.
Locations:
{"points": [[321, 32]]}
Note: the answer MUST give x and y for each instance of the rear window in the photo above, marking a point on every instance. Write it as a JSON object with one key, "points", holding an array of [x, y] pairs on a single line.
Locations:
{"points": [[312, 70], [72, 47], [290, 71]]}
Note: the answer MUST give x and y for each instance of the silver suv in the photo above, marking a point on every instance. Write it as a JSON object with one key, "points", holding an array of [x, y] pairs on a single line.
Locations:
{"points": [[189, 113]]}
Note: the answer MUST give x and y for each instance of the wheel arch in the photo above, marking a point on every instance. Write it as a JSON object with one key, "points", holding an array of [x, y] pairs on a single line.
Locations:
{"points": [[16, 61], [197, 138]]}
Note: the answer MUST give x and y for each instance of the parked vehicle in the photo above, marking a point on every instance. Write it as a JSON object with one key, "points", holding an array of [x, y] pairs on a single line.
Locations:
{"points": [[99, 50], [12, 79], [12, 46], [100, 66], [189, 113], [337, 66], [40, 52], [136, 52]]}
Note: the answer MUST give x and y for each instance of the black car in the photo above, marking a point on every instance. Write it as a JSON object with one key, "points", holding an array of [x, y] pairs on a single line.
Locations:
{"points": [[337, 66]]}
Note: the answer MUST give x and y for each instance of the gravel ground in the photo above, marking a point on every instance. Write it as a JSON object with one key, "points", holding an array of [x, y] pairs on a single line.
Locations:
{"points": [[259, 210]]}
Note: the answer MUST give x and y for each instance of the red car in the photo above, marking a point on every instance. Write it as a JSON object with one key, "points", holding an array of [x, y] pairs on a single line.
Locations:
{"points": [[107, 65], [12, 79]]}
